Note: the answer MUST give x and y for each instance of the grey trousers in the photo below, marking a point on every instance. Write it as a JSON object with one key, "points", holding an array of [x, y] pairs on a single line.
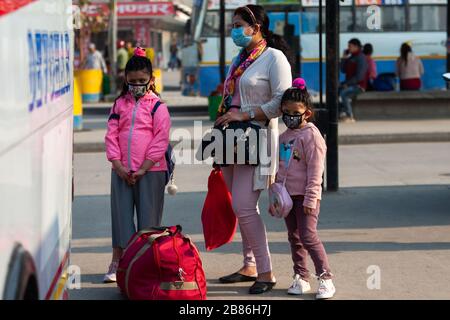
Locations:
{"points": [[147, 196]]}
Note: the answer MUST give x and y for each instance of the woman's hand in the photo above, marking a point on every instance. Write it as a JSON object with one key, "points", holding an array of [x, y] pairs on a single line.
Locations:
{"points": [[230, 117], [308, 211]]}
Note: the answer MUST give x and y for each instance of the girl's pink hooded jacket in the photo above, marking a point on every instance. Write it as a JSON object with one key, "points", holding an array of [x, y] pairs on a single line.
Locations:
{"points": [[304, 175], [133, 135]]}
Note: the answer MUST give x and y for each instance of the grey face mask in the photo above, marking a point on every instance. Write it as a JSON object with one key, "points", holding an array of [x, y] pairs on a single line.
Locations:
{"points": [[293, 122]]}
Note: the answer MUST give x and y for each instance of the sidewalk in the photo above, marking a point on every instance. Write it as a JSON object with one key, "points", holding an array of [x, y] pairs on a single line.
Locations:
{"points": [[174, 100], [185, 110], [390, 214], [361, 132]]}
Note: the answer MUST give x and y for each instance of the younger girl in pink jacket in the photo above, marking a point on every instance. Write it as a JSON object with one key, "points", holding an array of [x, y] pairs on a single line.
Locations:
{"points": [[136, 142], [305, 147]]}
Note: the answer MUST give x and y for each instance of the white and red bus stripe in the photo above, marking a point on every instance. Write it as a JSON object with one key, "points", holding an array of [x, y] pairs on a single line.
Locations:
{"points": [[8, 6]]}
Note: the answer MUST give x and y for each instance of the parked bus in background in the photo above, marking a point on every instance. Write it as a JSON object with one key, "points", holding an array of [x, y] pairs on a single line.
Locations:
{"points": [[36, 147], [386, 24]]}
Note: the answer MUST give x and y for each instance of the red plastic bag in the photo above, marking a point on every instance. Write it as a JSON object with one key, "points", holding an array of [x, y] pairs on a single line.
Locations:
{"points": [[218, 218]]}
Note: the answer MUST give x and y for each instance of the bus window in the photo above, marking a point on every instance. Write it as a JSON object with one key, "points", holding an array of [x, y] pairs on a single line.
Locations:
{"points": [[393, 18], [346, 19], [212, 24], [310, 20], [427, 18]]}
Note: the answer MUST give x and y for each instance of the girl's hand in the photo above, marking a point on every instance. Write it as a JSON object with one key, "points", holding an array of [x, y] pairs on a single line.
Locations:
{"points": [[136, 176], [121, 170], [272, 210], [230, 117], [308, 210]]}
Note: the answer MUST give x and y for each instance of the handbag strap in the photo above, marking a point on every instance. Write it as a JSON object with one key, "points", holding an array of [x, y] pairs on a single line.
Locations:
{"points": [[289, 163]]}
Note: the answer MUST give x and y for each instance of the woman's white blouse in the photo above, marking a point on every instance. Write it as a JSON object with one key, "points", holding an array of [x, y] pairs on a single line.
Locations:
{"points": [[262, 85]]}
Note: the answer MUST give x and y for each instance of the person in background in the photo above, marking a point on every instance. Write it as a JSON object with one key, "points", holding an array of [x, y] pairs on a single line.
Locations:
{"points": [[122, 59], [173, 62], [354, 65], [409, 69], [130, 49], [371, 73], [95, 60]]}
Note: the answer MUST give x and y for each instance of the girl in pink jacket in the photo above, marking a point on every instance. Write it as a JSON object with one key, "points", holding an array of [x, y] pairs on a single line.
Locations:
{"points": [[136, 141], [302, 158]]}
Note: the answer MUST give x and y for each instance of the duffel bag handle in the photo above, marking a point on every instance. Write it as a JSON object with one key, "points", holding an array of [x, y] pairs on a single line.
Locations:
{"points": [[172, 230]]}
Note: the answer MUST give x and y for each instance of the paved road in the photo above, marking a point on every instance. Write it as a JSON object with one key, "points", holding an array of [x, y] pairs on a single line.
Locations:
{"points": [[392, 211]]}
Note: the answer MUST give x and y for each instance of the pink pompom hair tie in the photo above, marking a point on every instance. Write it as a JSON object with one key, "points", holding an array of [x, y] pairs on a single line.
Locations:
{"points": [[139, 52], [299, 83]]}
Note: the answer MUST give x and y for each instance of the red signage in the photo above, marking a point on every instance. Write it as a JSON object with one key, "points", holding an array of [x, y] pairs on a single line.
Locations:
{"points": [[133, 9], [139, 9], [8, 6]]}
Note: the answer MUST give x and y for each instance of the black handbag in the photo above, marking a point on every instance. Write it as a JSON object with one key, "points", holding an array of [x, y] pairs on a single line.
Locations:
{"points": [[238, 143]]}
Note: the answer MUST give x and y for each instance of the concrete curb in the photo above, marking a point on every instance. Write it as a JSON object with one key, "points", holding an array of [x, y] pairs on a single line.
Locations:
{"points": [[395, 138], [86, 147]]}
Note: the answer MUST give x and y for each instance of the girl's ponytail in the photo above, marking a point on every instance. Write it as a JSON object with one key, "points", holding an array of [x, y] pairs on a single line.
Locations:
{"points": [[276, 41], [153, 88]]}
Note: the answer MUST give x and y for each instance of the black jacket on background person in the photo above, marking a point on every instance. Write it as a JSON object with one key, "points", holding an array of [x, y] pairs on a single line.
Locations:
{"points": [[355, 69]]}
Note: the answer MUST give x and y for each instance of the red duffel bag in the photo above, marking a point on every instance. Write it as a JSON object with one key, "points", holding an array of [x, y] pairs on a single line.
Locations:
{"points": [[161, 264], [218, 218]]}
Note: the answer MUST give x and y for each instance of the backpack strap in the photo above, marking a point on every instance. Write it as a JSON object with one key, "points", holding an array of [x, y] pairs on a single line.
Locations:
{"points": [[113, 114], [155, 108]]}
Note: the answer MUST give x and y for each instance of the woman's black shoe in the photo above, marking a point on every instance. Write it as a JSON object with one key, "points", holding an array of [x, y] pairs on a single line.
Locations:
{"points": [[261, 287], [236, 277]]}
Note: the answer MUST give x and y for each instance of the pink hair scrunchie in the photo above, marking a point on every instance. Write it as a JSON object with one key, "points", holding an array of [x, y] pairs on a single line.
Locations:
{"points": [[140, 52], [299, 83]]}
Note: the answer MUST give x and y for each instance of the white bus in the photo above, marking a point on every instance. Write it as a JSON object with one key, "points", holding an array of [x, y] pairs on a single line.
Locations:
{"points": [[36, 147]]}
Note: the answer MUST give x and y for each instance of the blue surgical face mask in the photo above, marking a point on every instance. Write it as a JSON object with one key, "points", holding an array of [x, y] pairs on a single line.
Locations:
{"points": [[240, 38]]}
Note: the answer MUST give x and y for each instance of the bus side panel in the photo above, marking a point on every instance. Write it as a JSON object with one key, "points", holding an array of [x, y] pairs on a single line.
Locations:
{"points": [[36, 138]]}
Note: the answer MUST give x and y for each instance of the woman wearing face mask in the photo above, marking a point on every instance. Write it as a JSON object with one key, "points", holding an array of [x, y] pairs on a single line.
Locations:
{"points": [[136, 142], [257, 79]]}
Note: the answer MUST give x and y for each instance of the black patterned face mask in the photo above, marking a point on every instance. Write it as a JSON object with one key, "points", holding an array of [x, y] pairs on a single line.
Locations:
{"points": [[293, 122], [138, 90]]}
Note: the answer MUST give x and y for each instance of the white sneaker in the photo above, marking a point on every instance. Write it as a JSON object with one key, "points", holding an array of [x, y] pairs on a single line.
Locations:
{"points": [[326, 289], [110, 276], [348, 120], [299, 286]]}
